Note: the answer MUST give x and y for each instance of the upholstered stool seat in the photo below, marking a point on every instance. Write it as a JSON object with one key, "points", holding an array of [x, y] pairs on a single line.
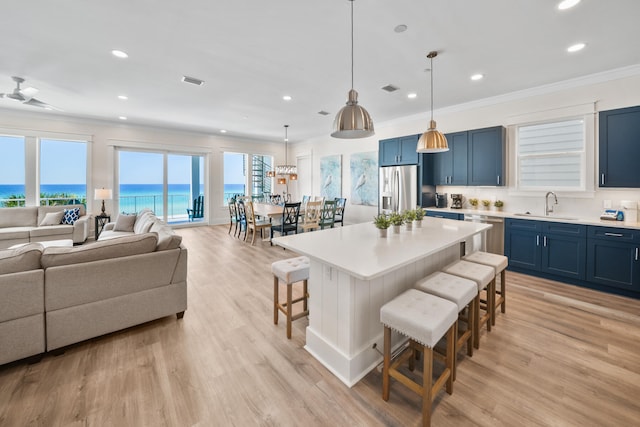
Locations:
{"points": [[500, 264], [290, 271], [484, 276], [460, 291], [424, 319]]}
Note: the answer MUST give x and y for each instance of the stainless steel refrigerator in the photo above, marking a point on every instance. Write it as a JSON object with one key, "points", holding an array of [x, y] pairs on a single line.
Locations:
{"points": [[398, 188]]}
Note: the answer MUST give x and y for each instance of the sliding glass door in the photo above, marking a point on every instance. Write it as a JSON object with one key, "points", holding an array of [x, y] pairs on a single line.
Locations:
{"points": [[166, 183]]}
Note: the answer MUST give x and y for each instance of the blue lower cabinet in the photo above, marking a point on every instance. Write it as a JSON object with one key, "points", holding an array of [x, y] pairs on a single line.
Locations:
{"points": [[447, 215], [613, 258], [603, 258]]}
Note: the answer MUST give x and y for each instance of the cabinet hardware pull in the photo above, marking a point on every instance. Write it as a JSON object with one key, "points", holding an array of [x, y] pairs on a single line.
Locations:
{"points": [[544, 239], [613, 234], [636, 254], [602, 179], [538, 240], [498, 179]]}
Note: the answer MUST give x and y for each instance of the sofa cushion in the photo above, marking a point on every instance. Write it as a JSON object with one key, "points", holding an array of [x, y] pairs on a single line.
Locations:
{"points": [[124, 222], [103, 249], [24, 258], [19, 217], [52, 230], [167, 239], [144, 221], [12, 233], [71, 216], [52, 218]]}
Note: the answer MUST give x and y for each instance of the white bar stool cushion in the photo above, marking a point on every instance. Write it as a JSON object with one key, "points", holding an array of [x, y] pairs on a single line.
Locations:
{"points": [[456, 289], [291, 270], [422, 317], [481, 274], [498, 262]]}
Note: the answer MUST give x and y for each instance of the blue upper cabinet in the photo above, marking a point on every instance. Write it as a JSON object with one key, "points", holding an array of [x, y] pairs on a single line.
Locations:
{"points": [[450, 167], [620, 148], [399, 151], [486, 156]]}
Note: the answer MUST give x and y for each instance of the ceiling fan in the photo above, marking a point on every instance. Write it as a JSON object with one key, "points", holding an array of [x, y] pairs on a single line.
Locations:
{"points": [[25, 95]]}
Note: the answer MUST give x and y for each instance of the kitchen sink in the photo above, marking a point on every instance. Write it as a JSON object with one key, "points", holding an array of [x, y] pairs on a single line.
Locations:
{"points": [[528, 215]]}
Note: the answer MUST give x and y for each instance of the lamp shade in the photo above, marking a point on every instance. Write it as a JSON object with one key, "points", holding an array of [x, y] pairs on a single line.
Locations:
{"points": [[432, 141], [352, 121], [102, 194]]}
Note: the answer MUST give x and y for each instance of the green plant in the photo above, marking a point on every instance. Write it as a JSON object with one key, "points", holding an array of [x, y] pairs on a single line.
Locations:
{"points": [[486, 203], [473, 201], [498, 203], [419, 213], [396, 218], [381, 221], [409, 215]]}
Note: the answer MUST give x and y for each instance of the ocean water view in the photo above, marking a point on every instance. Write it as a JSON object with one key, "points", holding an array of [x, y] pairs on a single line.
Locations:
{"points": [[133, 197]]}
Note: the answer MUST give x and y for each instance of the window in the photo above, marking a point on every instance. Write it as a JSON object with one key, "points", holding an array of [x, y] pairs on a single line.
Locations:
{"points": [[63, 172], [12, 172], [551, 155], [237, 178], [164, 182]]}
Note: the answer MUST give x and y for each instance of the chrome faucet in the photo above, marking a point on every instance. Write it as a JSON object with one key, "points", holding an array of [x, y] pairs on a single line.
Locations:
{"points": [[548, 209]]}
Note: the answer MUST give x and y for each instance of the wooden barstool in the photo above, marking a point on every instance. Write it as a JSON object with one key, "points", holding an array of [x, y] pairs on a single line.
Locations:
{"points": [[484, 276], [290, 271], [424, 319], [461, 292], [500, 264]]}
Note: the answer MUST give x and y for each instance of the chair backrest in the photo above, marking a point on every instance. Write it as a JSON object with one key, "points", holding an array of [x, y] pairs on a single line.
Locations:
{"points": [[198, 207], [242, 216], [290, 213], [305, 199], [312, 212], [257, 198], [340, 205], [248, 207], [328, 213], [233, 209]]}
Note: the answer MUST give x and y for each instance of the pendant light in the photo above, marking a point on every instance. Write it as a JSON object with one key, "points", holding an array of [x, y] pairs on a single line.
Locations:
{"points": [[352, 121], [432, 141], [286, 169]]}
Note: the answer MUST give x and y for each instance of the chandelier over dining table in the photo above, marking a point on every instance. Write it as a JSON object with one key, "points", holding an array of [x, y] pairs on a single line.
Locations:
{"points": [[282, 171]]}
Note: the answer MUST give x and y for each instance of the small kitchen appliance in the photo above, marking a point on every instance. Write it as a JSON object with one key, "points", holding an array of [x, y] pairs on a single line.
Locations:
{"points": [[456, 201], [441, 200]]}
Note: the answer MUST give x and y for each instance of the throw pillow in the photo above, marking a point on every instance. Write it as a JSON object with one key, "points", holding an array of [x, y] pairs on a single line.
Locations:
{"points": [[52, 218], [70, 216], [125, 222]]}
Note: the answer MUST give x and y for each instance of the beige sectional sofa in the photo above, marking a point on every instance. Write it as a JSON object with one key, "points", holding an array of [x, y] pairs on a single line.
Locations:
{"points": [[56, 296], [23, 225]]}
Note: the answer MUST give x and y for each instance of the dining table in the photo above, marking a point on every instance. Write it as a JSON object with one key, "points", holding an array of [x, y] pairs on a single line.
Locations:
{"points": [[267, 210]]}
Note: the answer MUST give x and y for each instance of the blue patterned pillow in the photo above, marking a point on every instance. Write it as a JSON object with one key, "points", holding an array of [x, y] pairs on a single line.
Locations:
{"points": [[70, 216]]}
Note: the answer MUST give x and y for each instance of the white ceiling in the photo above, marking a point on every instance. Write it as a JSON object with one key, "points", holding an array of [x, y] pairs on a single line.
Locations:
{"points": [[252, 52]]}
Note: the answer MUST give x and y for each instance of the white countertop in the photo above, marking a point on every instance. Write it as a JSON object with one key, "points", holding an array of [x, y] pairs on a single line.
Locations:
{"points": [[358, 250], [576, 220]]}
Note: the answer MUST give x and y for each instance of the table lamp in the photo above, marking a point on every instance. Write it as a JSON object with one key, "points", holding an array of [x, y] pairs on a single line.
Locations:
{"points": [[102, 194]]}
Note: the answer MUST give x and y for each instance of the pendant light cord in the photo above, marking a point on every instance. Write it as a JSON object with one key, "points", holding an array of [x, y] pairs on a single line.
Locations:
{"points": [[351, 43], [431, 72]]}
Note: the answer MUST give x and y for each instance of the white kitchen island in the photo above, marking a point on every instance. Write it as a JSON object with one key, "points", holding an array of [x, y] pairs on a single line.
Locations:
{"points": [[354, 272]]}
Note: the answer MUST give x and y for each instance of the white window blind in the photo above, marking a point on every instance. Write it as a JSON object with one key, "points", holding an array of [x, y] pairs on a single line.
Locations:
{"points": [[552, 155]]}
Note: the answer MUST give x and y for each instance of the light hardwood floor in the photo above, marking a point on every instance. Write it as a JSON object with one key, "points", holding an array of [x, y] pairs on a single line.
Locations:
{"points": [[560, 356]]}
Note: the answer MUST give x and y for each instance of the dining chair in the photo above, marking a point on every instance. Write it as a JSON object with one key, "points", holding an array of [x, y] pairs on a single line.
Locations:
{"points": [[328, 217], [289, 221], [242, 218], [233, 215], [340, 205], [305, 200], [254, 224], [311, 216]]}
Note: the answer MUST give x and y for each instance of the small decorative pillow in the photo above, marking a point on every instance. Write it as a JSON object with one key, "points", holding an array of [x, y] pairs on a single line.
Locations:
{"points": [[125, 222], [52, 218], [70, 216]]}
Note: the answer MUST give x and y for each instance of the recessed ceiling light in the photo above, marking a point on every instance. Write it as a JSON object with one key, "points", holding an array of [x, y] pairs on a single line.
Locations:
{"points": [[287, 98], [123, 117], [119, 54], [567, 4], [223, 131], [192, 80], [400, 28], [477, 76], [412, 95], [576, 47], [123, 97]]}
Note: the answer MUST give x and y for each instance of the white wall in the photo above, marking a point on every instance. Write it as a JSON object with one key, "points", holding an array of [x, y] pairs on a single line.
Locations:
{"points": [[105, 135], [599, 92]]}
